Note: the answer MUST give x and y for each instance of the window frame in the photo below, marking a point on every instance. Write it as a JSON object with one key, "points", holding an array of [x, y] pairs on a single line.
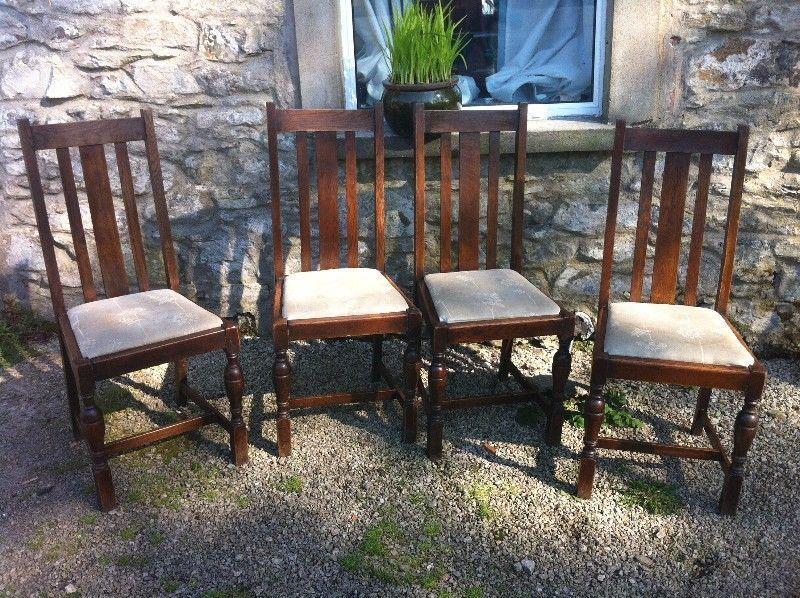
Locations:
{"points": [[593, 109]]}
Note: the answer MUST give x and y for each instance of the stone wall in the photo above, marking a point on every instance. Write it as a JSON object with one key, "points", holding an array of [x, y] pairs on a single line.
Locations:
{"points": [[207, 67]]}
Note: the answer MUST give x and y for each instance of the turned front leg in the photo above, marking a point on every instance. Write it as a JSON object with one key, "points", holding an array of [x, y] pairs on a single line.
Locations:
{"points": [[181, 377], [505, 358], [701, 410], [562, 363], [411, 365], [281, 378], [593, 412], [93, 427], [234, 387], [437, 381], [743, 433]]}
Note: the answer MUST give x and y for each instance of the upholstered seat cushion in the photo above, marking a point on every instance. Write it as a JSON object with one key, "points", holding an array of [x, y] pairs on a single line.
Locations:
{"points": [[128, 321], [472, 295], [339, 292], [673, 333]]}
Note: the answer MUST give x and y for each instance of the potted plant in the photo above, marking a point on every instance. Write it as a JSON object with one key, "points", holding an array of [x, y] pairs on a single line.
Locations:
{"points": [[422, 47]]}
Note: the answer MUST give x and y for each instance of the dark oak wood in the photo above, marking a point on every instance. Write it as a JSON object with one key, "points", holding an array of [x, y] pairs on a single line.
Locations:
{"points": [[698, 229], [469, 200], [104, 220], [327, 199], [678, 146], [76, 224], [325, 126], [470, 125], [82, 373], [643, 225]]}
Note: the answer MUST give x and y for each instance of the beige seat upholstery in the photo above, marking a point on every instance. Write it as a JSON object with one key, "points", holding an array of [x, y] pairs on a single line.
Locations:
{"points": [[673, 333], [128, 321], [474, 295], [339, 292]]}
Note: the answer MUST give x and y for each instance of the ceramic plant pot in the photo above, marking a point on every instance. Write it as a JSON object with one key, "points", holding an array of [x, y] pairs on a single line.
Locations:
{"points": [[399, 100]]}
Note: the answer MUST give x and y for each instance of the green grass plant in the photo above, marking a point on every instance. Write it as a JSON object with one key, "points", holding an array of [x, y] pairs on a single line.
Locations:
{"points": [[424, 44]]}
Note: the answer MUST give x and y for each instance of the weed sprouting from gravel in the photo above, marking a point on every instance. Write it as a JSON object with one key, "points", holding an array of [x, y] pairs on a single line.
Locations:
{"points": [[170, 586], [20, 327], [235, 592], [529, 415], [129, 533], [292, 484], [617, 412], [156, 537], [474, 592], [481, 493], [654, 497]]}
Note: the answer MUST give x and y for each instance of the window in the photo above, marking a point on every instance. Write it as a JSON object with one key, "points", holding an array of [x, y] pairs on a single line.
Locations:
{"points": [[549, 53]]}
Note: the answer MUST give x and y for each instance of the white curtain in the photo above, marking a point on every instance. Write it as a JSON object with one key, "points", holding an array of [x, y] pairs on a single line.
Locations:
{"points": [[371, 20], [546, 51]]}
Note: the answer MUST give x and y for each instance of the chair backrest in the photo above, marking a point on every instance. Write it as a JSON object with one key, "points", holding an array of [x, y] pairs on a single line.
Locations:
{"points": [[90, 138], [469, 124], [325, 126], [678, 147]]}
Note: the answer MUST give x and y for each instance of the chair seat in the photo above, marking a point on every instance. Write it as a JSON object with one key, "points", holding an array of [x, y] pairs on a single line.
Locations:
{"points": [[674, 333], [110, 325], [474, 295], [339, 292]]}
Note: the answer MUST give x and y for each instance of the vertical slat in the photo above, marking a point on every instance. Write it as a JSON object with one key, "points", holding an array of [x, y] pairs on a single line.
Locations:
{"points": [[493, 190], [670, 224], [40, 212], [327, 198], [611, 218], [643, 225], [469, 199], [351, 198], [157, 185], [517, 206], [275, 191], [445, 203], [303, 193], [104, 222], [419, 191], [698, 228], [732, 225], [380, 203], [76, 224], [132, 215]]}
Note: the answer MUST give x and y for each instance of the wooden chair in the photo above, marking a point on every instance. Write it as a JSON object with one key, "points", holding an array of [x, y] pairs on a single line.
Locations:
{"points": [[334, 301], [659, 340], [128, 329], [473, 305]]}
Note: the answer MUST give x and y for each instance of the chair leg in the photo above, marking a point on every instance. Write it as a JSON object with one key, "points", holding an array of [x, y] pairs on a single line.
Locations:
{"points": [[281, 377], [594, 412], [94, 430], [181, 375], [234, 387], [72, 397], [744, 431], [562, 363], [411, 364], [437, 381], [377, 359], [505, 358], [701, 410]]}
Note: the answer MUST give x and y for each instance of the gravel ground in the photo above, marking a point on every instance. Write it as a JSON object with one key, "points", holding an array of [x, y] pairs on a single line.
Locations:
{"points": [[353, 512]]}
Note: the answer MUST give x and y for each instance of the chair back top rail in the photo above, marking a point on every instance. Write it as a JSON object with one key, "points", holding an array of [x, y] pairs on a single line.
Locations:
{"points": [[323, 126], [90, 139], [678, 147], [468, 125]]}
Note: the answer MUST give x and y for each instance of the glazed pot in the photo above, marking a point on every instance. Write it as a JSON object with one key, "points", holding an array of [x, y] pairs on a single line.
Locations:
{"points": [[399, 100]]}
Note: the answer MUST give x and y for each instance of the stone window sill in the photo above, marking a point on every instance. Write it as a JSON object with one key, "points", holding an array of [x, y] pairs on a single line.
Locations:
{"points": [[544, 136]]}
